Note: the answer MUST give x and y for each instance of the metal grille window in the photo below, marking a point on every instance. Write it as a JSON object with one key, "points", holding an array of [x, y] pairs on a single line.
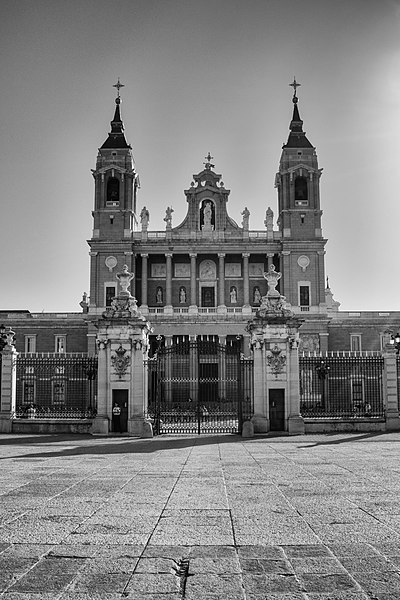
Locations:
{"points": [[28, 392], [59, 392]]}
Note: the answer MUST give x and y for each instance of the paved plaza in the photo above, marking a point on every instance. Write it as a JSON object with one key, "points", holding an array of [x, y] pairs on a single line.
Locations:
{"points": [[288, 518]]}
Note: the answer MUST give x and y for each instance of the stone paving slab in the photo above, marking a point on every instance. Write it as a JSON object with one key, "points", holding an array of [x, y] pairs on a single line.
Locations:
{"points": [[191, 518]]}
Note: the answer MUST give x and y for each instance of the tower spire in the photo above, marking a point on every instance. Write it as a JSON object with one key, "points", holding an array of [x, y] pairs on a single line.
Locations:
{"points": [[116, 138], [297, 137]]}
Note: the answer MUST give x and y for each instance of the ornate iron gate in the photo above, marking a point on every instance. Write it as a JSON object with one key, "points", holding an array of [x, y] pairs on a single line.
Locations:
{"points": [[200, 387]]}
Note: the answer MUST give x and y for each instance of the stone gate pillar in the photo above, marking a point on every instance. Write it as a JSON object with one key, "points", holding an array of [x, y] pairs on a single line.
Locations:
{"points": [[274, 339], [8, 381], [123, 340]]}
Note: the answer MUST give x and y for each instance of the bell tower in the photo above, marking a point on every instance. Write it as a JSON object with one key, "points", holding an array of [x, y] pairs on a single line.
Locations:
{"points": [[114, 214], [299, 218]]}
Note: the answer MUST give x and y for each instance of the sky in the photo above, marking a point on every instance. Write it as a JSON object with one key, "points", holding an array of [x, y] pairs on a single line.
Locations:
{"points": [[200, 76]]}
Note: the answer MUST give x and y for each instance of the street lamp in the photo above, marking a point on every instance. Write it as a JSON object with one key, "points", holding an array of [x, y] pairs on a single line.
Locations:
{"points": [[3, 337], [323, 372], [395, 341]]}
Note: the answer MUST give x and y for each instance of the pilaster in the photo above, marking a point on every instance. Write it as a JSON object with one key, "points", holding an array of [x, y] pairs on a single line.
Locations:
{"points": [[8, 382], [390, 389]]}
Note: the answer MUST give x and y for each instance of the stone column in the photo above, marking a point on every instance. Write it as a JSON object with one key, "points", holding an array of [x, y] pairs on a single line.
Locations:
{"points": [[144, 281], [323, 342], [390, 392], [8, 380], [295, 420], [260, 418], [270, 260], [286, 276], [221, 282], [193, 299], [93, 300], [168, 285], [321, 278], [101, 422], [246, 284]]}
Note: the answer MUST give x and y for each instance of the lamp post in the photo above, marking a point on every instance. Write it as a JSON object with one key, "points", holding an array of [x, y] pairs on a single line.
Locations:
{"points": [[3, 338], [395, 341], [323, 372]]}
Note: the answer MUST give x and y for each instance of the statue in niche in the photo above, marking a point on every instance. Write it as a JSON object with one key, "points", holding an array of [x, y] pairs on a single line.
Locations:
{"points": [[159, 295], [168, 216], [144, 218], [233, 295], [256, 295], [182, 295], [207, 213], [245, 215]]}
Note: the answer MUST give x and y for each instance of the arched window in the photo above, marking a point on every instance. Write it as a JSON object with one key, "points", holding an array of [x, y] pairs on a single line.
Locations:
{"points": [[113, 190], [300, 189]]}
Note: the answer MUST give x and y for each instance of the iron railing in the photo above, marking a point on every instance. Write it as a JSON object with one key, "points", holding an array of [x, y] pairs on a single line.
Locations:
{"points": [[200, 387], [56, 386], [398, 380], [342, 386]]}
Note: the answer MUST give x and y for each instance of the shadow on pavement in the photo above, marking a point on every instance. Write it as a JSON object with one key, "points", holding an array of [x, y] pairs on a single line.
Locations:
{"points": [[112, 445], [351, 437]]}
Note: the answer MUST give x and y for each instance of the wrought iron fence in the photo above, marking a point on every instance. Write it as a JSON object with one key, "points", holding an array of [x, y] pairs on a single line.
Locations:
{"points": [[56, 386], [342, 386], [200, 387], [398, 380]]}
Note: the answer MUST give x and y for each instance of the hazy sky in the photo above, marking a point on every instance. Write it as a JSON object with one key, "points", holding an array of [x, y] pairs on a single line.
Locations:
{"points": [[200, 76]]}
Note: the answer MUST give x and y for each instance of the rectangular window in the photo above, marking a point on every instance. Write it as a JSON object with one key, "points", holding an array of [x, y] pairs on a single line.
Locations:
{"points": [[58, 392], [304, 294], [355, 343], [60, 344], [30, 343], [28, 392], [110, 294]]}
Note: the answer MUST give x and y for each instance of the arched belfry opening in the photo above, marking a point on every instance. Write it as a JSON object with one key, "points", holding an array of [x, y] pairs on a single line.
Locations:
{"points": [[112, 190], [300, 188], [207, 215]]}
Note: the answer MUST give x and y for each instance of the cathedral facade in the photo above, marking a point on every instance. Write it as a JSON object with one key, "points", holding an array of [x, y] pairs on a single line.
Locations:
{"points": [[204, 278]]}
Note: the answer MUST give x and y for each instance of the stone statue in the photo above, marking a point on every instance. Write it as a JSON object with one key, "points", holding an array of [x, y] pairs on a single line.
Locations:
{"points": [[207, 213], [245, 215], [168, 216], [256, 295], [144, 218], [269, 219], [182, 295], [233, 295]]}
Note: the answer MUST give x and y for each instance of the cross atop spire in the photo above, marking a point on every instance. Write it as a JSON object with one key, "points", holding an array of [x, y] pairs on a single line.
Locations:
{"points": [[208, 164], [118, 85], [295, 85]]}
